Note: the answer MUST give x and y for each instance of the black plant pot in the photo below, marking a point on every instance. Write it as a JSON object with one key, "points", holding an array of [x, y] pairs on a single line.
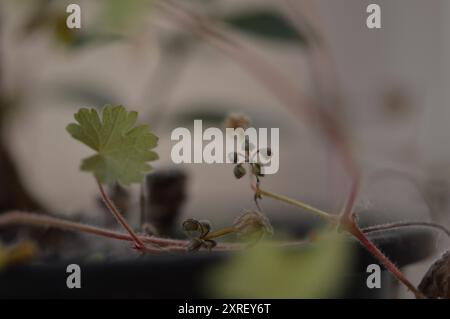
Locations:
{"points": [[182, 275]]}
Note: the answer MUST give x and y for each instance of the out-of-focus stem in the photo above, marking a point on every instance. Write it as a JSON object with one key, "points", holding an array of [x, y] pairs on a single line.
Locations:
{"points": [[163, 244], [351, 226], [21, 218]]}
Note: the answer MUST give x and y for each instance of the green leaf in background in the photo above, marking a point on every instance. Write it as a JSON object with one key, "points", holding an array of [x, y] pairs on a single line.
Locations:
{"points": [[268, 24], [118, 14], [213, 113], [123, 149], [51, 15], [313, 271], [211, 116]]}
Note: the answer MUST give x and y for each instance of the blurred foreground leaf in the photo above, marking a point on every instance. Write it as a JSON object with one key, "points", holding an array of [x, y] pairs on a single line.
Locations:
{"points": [[267, 24], [118, 14], [19, 253], [123, 149], [311, 271]]}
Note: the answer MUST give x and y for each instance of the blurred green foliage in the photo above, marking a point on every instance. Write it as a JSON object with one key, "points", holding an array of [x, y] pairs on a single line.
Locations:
{"points": [[315, 270], [19, 253], [119, 14], [110, 24]]}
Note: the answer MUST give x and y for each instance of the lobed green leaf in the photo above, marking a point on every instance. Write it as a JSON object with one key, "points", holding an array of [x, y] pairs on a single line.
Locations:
{"points": [[123, 149]]}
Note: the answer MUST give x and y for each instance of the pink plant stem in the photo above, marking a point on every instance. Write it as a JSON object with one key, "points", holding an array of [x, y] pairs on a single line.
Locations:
{"points": [[273, 80], [164, 244], [346, 217], [350, 203], [289, 95], [112, 208], [375, 251], [350, 225], [20, 218]]}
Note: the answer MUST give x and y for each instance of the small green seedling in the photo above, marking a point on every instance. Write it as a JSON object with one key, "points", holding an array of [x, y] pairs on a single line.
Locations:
{"points": [[123, 151]]}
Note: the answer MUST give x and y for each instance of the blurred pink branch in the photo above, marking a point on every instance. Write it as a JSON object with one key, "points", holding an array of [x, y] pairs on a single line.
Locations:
{"points": [[327, 84], [273, 80], [159, 245], [291, 96]]}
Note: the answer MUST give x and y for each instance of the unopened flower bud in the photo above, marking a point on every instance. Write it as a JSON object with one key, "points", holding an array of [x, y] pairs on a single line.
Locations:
{"points": [[190, 225], [253, 224], [237, 121], [194, 227], [239, 171]]}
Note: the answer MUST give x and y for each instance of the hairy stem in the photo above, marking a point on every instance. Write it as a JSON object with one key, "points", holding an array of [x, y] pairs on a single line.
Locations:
{"points": [[289, 96], [354, 229], [351, 226], [351, 199], [398, 225], [328, 217], [112, 208], [20, 218], [163, 244]]}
